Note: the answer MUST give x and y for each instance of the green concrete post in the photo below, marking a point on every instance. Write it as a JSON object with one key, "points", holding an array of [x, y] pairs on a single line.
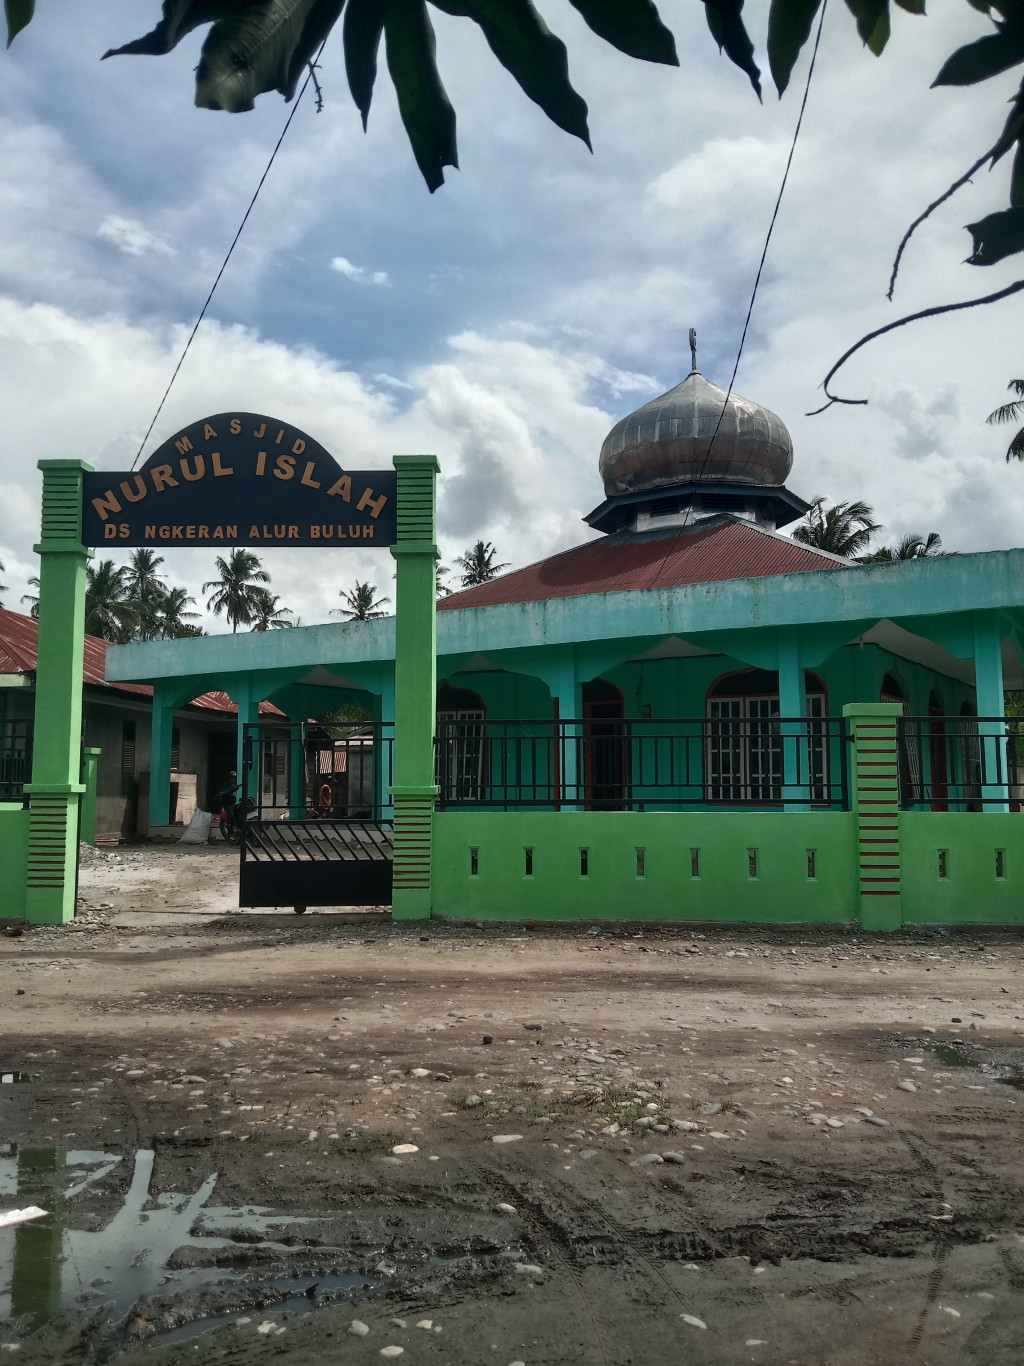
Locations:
{"points": [[793, 703], [413, 788], [90, 780], [56, 788], [988, 685], [874, 784], [161, 737]]}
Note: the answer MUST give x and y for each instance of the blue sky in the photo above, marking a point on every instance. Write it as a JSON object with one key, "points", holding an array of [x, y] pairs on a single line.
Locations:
{"points": [[508, 320]]}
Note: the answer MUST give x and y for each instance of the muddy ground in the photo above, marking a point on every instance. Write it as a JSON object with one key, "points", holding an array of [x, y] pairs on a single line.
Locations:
{"points": [[637, 1146]]}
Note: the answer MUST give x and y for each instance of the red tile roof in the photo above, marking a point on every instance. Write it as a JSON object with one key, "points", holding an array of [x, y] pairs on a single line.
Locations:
{"points": [[19, 649], [728, 550]]}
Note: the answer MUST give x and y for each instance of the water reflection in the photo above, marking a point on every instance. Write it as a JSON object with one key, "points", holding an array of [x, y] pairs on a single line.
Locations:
{"points": [[48, 1266]]}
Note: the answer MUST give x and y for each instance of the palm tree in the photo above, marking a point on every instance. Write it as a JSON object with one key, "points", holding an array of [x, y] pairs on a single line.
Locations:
{"points": [[477, 564], [361, 603], [3, 586], [913, 546], [441, 573], [843, 529], [109, 611], [32, 598], [1012, 412], [234, 592], [176, 620], [142, 569], [266, 614]]}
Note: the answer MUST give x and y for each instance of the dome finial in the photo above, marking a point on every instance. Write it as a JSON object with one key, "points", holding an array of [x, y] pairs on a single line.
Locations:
{"points": [[693, 350]]}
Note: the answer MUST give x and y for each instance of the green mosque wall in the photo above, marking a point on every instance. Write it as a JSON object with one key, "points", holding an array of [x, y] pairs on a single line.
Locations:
{"points": [[13, 858]]}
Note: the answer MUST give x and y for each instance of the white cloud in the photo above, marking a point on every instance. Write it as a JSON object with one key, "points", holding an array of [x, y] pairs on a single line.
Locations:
{"points": [[358, 274], [131, 237]]}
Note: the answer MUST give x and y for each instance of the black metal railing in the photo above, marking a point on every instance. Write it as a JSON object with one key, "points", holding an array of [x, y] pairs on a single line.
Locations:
{"points": [[625, 765], [15, 759], [318, 772], [960, 763]]}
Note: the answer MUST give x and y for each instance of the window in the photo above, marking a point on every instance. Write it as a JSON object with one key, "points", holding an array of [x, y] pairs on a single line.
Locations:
{"points": [[127, 758], [745, 744], [460, 752]]}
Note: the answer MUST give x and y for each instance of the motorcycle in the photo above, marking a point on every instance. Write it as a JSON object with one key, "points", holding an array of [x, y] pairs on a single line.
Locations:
{"points": [[232, 818]]}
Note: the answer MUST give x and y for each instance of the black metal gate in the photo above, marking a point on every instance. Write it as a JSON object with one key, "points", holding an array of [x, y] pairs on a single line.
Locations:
{"points": [[316, 827]]}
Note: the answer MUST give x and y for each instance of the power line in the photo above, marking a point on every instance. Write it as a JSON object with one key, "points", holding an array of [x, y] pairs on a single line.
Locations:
{"points": [[767, 240], [230, 251]]}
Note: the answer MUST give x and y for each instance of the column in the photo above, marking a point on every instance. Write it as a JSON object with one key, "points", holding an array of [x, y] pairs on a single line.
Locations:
{"points": [[413, 788], [90, 781], [297, 771], [567, 691], [988, 684], [160, 738], [384, 717], [56, 787], [246, 699], [793, 703], [874, 785]]}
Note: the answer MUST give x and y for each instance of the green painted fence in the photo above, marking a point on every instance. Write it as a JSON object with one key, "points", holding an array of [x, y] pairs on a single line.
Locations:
{"points": [[649, 865], [13, 858], [962, 869]]}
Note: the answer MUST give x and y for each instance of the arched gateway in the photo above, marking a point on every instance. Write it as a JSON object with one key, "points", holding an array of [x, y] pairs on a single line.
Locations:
{"points": [[247, 479]]}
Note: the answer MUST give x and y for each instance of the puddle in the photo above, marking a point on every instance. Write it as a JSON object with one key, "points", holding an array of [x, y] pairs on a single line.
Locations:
{"points": [[158, 1245], [12, 1078], [952, 1057]]}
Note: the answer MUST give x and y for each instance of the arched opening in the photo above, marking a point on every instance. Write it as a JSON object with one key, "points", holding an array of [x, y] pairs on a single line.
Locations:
{"points": [[744, 760], [894, 690], [460, 719], [605, 754]]}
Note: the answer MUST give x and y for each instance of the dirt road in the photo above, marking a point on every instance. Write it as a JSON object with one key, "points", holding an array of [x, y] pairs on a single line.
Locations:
{"points": [[259, 1135]]}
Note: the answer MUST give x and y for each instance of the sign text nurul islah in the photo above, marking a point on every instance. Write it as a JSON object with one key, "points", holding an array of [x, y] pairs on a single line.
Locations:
{"points": [[240, 479]]}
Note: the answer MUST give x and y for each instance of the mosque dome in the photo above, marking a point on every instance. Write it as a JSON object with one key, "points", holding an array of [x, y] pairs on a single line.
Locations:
{"points": [[667, 442]]}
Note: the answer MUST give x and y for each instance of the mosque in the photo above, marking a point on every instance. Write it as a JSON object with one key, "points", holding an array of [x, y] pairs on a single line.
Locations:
{"points": [[672, 719]]}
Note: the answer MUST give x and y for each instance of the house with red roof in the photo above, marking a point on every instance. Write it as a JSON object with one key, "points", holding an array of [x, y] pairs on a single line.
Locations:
{"points": [[117, 719]]}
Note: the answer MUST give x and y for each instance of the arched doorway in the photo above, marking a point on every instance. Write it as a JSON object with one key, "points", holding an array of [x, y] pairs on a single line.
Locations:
{"points": [[744, 739], [605, 754], [461, 717]]}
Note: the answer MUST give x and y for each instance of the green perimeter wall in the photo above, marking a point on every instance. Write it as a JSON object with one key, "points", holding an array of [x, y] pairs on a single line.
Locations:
{"points": [[970, 892], [13, 858], [724, 889]]}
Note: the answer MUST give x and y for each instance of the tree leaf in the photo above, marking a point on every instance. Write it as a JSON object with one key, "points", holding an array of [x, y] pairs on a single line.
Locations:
{"points": [[1017, 178], [1013, 128], [982, 59], [916, 6], [872, 22], [180, 17], [264, 45], [789, 27], [527, 48], [19, 13], [997, 236], [422, 100], [729, 32], [361, 35], [634, 28]]}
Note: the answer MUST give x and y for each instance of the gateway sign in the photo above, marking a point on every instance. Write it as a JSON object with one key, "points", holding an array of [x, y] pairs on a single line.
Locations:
{"points": [[241, 479]]}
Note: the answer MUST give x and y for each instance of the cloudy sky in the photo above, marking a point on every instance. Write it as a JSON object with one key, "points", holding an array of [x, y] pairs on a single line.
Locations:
{"points": [[507, 321]]}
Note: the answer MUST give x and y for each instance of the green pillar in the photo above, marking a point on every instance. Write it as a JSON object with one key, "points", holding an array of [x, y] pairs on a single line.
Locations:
{"points": [[567, 691], [413, 788], [988, 685], [90, 780], [793, 704], [160, 743], [56, 787], [874, 784], [246, 698]]}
